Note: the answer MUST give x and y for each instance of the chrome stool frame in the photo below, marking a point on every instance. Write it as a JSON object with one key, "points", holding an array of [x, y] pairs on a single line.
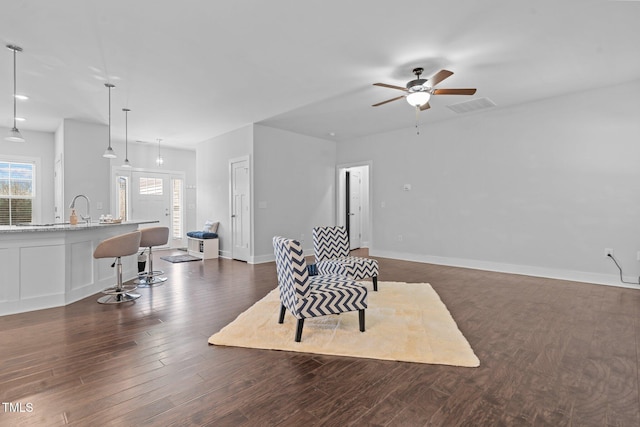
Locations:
{"points": [[152, 236], [118, 246]]}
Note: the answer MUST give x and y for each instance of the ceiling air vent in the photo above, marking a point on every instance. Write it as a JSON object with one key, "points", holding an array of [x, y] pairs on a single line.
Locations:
{"points": [[473, 105]]}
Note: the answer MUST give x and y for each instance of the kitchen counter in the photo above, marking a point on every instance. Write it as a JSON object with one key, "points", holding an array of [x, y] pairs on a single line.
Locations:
{"points": [[50, 265], [65, 226]]}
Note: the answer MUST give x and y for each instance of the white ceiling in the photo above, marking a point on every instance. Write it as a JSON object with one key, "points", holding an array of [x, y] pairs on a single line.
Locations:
{"points": [[190, 70]]}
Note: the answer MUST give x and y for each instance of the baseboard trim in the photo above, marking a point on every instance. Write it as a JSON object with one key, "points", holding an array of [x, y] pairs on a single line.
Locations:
{"points": [[526, 270], [261, 259]]}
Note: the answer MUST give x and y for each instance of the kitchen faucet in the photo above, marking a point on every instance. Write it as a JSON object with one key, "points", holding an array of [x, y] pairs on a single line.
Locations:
{"points": [[86, 218]]}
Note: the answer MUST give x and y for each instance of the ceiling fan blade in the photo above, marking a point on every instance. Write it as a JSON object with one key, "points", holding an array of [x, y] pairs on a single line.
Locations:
{"points": [[390, 86], [439, 76], [388, 100], [454, 91], [425, 107]]}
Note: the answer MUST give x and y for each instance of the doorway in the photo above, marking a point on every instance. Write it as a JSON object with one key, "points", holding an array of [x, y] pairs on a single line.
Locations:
{"points": [[240, 182], [353, 203], [150, 195]]}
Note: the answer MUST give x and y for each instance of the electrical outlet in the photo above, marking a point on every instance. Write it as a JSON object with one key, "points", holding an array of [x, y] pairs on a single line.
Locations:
{"points": [[608, 251]]}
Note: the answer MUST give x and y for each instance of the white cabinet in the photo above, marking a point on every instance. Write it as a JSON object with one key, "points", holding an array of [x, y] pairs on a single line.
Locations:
{"points": [[202, 248]]}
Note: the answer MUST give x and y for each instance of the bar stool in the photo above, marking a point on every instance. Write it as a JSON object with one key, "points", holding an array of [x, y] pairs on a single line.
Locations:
{"points": [[152, 236], [117, 247]]}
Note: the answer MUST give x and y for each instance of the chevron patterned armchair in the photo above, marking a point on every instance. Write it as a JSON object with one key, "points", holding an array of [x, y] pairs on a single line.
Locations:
{"points": [[331, 246], [313, 296]]}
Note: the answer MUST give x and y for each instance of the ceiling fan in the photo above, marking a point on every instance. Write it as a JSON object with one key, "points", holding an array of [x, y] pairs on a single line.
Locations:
{"points": [[420, 90]]}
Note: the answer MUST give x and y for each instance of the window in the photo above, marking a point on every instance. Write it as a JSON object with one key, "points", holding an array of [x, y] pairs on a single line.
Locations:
{"points": [[17, 192], [176, 207], [150, 186]]}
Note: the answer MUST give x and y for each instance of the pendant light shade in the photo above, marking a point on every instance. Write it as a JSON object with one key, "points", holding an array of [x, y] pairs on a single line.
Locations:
{"points": [[109, 153], [14, 134], [126, 163]]}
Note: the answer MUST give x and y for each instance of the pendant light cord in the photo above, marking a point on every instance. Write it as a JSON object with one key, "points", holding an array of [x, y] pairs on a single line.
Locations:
{"points": [[126, 134], [14, 87], [109, 115], [126, 138]]}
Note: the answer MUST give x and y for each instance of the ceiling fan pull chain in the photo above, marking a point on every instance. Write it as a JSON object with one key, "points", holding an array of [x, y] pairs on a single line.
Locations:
{"points": [[417, 126]]}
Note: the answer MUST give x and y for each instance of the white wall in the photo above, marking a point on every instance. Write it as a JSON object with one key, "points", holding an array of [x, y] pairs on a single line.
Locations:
{"points": [[293, 180], [538, 189], [37, 145], [212, 166], [85, 170], [144, 155], [294, 187]]}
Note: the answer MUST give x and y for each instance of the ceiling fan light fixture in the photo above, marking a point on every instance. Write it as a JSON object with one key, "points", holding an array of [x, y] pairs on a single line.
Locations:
{"points": [[418, 99]]}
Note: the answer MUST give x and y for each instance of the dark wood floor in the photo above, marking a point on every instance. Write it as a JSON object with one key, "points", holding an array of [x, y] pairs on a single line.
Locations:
{"points": [[552, 353]]}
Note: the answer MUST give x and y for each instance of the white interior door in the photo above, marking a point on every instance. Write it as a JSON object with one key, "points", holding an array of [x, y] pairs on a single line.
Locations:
{"points": [[344, 202], [151, 198], [355, 208], [240, 210]]}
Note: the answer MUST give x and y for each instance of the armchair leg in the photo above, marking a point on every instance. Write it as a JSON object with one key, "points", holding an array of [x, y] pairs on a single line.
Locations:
{"points": [[361, 319], [299, 330], [375, 283], [282, 311]]}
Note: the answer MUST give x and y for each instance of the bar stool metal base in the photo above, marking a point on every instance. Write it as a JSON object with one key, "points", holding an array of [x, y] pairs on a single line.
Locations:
{"points": [[118, 298], [122, 289], [119, 293], [145, 282], [152, 273]]}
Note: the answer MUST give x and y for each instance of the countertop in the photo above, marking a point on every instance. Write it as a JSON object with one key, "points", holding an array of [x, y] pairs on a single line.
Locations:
{"points": [[65, 226]]}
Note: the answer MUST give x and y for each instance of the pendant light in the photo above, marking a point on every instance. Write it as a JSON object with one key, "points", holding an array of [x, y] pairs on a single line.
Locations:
{"points": [[14, 134], [126, 163], [159, 160], [109, 153]]}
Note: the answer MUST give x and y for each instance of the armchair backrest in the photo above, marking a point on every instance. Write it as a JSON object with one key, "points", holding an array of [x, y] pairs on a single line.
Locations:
{"points": [[330, 243], [293, 277]]}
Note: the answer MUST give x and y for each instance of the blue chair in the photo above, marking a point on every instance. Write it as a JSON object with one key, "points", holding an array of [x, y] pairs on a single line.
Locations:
{"points": [[313, 296], [331, 247]]}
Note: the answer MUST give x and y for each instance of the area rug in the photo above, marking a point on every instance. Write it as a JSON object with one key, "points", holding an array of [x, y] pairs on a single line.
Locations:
{"points": [[404, 322], [180, 258]]}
